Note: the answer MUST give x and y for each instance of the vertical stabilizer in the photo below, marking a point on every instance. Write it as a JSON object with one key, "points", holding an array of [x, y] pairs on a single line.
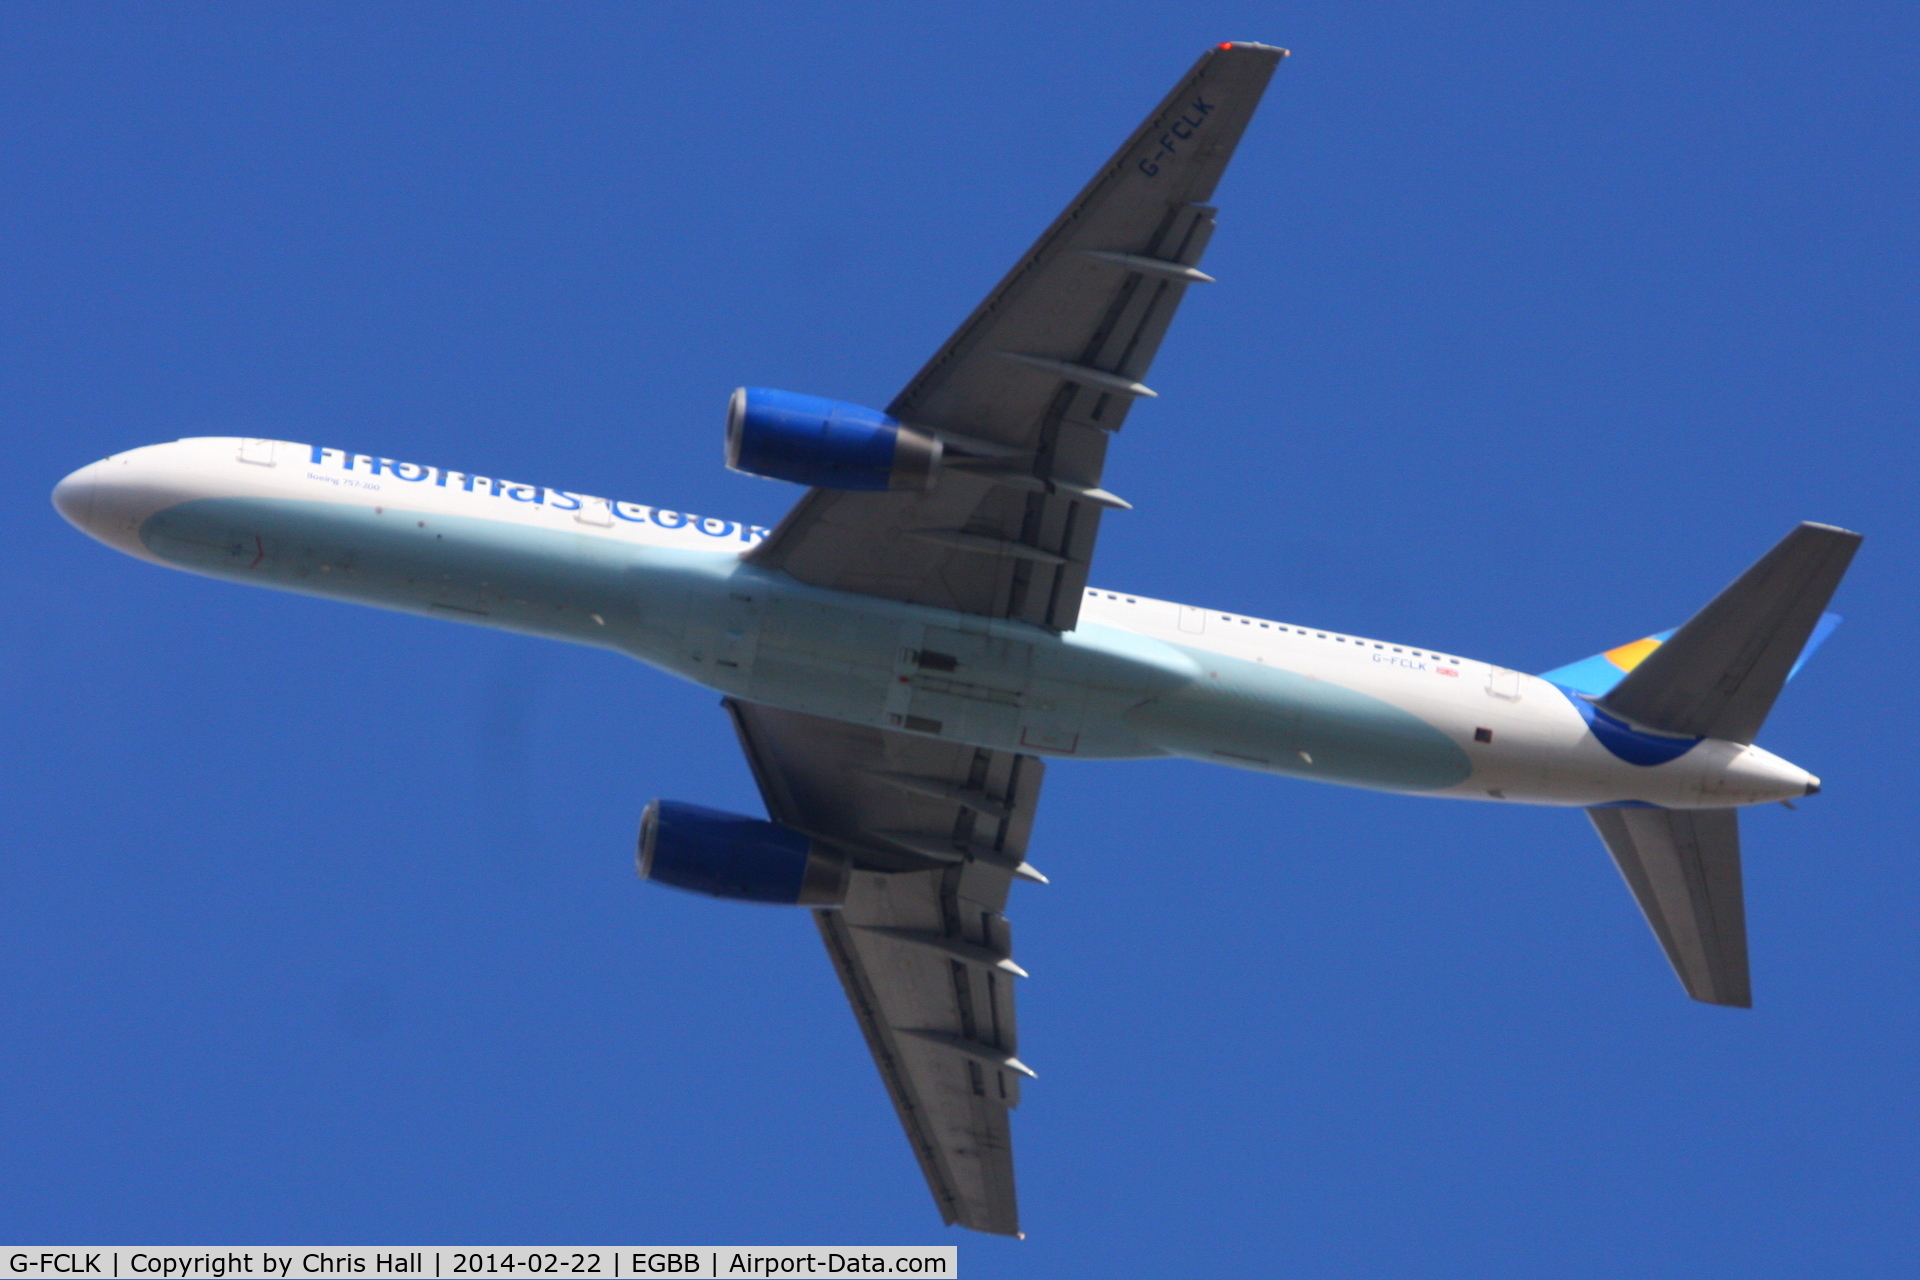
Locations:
{"points": [[1684, 869], [1719, 674]]}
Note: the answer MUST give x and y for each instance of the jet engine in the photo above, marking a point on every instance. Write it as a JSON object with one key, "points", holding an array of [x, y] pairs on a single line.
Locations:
{"points": [[726, 855], [826, 443]]}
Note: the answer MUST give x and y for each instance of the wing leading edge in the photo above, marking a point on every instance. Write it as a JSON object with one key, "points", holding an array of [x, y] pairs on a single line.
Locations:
{"points": [[1028, 389]]}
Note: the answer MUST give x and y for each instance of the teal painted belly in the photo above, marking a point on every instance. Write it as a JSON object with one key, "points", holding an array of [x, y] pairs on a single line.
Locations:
{"points": [[1259, 717], [489, 572]]}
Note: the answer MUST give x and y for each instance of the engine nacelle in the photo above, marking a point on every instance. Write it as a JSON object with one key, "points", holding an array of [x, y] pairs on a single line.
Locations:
{"points": [[725, 855], [826, 443]]}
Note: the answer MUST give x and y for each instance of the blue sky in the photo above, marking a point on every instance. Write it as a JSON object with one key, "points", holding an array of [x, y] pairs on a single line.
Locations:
{"points": [[1535, 325]]}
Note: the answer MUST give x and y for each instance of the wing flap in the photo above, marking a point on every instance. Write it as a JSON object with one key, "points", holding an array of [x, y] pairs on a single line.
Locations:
{"points": [[953, 1105], [1071, 337]]}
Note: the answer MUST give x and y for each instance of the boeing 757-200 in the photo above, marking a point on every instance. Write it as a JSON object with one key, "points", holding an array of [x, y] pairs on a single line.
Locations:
{"points": [[903, 654]]}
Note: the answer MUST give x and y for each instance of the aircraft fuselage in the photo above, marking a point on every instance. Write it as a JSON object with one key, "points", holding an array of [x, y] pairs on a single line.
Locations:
{"points": [[1136, 678]]}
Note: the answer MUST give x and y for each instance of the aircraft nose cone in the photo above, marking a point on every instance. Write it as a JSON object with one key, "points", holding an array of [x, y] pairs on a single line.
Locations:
{"points": [[73, 498], [1813, 785], [109, 500]]}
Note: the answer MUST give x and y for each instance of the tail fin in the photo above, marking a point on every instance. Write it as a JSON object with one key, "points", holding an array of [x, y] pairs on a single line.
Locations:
{"points": [[1718, 675], [1684, 869]]}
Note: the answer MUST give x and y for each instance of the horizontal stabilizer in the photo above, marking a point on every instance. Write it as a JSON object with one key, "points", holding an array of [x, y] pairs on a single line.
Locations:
{"points": [[1718, 675], [1684, 869]]}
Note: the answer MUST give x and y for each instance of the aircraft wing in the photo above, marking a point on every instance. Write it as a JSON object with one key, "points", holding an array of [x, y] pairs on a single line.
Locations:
{"points": [[1026, 392], [938, 831]]}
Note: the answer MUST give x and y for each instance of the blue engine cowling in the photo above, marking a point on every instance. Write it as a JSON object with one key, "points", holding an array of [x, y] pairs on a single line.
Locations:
{"points": [[826, 443], [725, 855]]}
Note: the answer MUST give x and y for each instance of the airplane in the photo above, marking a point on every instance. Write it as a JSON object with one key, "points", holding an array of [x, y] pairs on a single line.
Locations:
{"points": [[906, 651]]}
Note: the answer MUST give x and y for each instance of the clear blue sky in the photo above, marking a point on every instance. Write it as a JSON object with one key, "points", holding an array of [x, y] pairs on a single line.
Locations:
{"points": [[1535, 325]]}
